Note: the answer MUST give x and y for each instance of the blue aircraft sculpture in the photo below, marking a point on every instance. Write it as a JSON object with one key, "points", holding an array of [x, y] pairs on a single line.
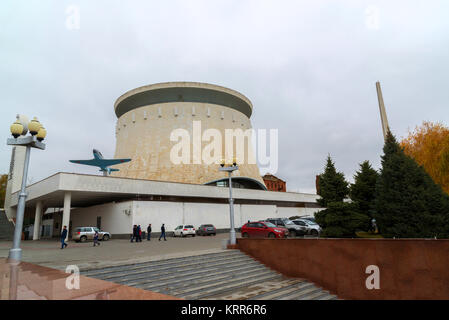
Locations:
{"points": [[103, 164]]}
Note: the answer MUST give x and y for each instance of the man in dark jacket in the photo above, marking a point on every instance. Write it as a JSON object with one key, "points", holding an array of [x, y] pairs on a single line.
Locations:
{"points": [[134, 233], [149, 232], [139, 234], [162, 233], [63, 237]]}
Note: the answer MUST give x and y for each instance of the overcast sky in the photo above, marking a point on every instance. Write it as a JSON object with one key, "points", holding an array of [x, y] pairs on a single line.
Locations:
{"points": [[309, 68]]}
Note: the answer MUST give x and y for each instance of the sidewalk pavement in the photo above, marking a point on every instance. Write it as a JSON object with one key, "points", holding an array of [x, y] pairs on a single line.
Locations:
{"points": [[113, 252]]}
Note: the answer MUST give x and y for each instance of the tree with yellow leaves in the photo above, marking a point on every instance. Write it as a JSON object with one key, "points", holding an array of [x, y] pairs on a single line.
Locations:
{"points": [[3, 182], [429, 146]]}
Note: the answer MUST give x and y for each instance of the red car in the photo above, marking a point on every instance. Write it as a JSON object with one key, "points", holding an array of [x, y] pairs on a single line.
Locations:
{"points": [[263, 229]]}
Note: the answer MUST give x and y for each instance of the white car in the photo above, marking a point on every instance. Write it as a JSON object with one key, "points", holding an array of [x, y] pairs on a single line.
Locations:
{"points": [[184, 230]]}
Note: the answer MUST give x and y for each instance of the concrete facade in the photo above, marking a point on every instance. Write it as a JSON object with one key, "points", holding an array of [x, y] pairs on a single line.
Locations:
{"points": [[118, 218], [147, 116], [122, 202]]}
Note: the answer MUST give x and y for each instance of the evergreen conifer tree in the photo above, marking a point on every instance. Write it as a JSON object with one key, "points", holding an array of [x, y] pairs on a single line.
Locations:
{"points": [[363, 191], [332, 185], [339, 219], [409, 204]]}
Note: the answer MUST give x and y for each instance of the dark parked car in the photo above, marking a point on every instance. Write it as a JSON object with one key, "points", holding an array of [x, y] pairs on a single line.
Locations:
{"points": [[206, 229], [263, 229]]}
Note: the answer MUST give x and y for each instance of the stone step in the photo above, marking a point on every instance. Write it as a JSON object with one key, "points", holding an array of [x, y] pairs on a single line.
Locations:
{"points": [[159, 263], [200, 274], [300, 294], [258, 289], [227, 286], [203, 281], [280, 293], [324, 295], [174, 268], [223, 279], [6, 227], [229, 274]]}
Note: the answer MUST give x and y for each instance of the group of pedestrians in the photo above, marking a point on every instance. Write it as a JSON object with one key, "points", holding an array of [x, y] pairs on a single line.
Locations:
{"points": [[137, 233]]}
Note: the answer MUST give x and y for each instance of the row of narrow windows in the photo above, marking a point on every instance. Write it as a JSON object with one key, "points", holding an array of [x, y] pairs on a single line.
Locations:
{"points": [[176, 112]]}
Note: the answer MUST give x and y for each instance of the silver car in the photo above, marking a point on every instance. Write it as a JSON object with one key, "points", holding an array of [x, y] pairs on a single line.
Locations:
{"points": [[308, 226], [82, 234]]}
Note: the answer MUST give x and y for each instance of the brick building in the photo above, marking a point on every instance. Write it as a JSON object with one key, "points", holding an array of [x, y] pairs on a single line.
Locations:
{"points": [[274, 183]]}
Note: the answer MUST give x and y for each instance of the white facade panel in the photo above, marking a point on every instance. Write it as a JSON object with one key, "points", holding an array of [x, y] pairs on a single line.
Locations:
{"points": [[290, 212], [253, 212], [157, 213], [205, 213], [116, 218]]}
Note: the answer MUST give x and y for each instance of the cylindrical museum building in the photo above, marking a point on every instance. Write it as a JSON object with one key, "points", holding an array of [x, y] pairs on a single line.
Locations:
{"points": [[151, 117]]}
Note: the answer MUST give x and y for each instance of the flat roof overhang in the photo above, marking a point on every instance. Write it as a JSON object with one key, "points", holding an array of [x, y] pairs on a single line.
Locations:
{"points": [[88, 190]]}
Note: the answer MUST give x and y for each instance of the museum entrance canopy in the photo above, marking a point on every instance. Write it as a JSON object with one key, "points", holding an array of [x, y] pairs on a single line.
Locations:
{"points": [[88, 190]]}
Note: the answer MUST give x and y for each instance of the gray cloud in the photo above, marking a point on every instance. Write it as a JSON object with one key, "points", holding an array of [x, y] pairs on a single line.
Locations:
{"points": [[308, 67]]}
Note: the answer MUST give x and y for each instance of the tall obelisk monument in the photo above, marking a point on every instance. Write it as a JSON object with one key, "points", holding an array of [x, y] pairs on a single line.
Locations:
{"points": [[383, 114]]}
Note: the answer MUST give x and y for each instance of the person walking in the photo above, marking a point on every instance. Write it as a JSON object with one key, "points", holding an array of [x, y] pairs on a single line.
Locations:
{"points": [[149, 232], [139, 234], [63, 237], [162, 232], [374, 226], [134, 233], [96, 238]]}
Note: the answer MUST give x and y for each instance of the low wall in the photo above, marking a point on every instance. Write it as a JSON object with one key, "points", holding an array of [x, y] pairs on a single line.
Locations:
{"points": [[408, 268]]}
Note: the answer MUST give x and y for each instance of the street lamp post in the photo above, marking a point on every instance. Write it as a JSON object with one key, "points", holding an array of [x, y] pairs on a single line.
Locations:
{"points": [[38, 134], [229, 170]]}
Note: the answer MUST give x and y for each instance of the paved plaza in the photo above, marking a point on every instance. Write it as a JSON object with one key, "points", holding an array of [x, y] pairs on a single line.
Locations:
{"points": [[113, 252]]}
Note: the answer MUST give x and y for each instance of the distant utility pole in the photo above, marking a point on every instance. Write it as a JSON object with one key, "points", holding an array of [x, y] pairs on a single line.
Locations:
{"points": [[383, 114]]}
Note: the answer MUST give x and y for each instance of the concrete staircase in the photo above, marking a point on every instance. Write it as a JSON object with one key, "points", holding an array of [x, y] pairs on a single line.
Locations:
{"points": [[6, 227], [230, 274]]}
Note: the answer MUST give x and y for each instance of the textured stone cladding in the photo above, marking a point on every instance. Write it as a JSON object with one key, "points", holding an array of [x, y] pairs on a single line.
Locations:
{"points": [[143, 134]]}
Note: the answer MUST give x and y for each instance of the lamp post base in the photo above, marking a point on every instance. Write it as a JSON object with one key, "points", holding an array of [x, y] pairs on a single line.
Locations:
{"points": [[232, 239], [15, 254]]}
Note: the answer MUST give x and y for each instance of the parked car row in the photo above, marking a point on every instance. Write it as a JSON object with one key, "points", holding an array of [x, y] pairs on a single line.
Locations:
{"points": [[269, 228], [189, 230], [280, 228]]}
